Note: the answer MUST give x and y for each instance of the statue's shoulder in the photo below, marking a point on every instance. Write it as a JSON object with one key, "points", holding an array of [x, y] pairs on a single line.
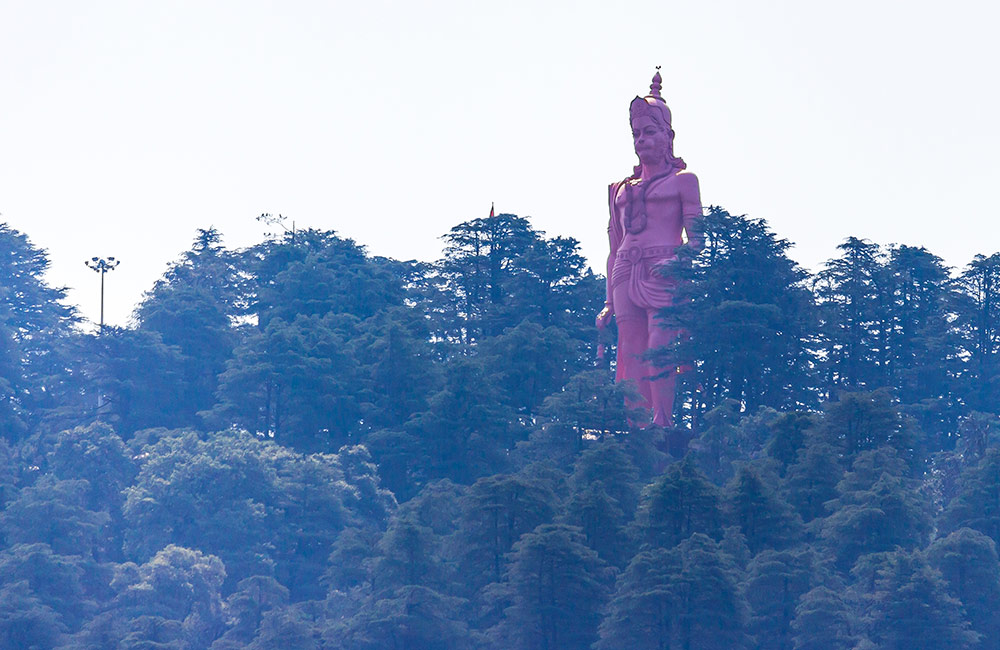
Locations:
{"points": [[687, 181], [615, 188]]}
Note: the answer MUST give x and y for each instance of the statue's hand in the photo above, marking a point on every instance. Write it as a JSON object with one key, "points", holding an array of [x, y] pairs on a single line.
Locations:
{"points": [[603, 318]]}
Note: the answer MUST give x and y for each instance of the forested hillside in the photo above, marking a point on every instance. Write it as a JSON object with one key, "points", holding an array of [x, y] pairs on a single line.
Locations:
{"points": [[299, 445]]}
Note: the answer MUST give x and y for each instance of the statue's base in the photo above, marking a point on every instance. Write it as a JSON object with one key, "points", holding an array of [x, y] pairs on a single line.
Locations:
{"points": [[675, 442], [671, 442]]}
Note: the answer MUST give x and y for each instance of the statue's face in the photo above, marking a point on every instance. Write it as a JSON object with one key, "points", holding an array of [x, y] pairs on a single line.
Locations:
{"points": [[650, 139]]}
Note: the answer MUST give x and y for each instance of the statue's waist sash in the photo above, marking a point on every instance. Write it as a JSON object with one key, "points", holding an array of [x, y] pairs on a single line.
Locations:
{"points": [[635, 253]]}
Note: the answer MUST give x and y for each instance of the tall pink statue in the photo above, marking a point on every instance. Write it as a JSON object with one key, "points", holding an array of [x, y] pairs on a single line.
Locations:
{"points": [[651, 213]]}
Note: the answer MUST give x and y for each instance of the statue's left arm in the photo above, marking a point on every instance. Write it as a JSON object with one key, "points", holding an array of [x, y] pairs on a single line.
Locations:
{"points": [[691, 209]]}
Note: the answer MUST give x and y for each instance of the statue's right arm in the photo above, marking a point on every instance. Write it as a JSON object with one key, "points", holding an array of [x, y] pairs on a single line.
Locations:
{"points": [[614, 241]]}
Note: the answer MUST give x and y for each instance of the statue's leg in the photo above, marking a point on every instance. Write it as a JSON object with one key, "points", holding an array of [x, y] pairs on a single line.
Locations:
{"points": [[662, 390], [633, 335]]}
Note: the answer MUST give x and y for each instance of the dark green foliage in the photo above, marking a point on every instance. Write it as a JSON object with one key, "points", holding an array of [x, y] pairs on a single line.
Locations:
{"points": [[531, 363], [602, 521], [285, 629], [520, 484], [173, 598], [316, 274], [8, 475], [496, 511], [641, 613], [192, 309], [397, 366], [269, 509], [764, 518], [749, 317], [976, 433], [589, 405], [609, 462], [33, 322], [823, 621], [555, 585], [589, 401], [716, 446], [467, 429], [967, 560], [676, 505], [979, 326], [408, 554], [862, 421], [294, 381], [95, 454], [812, 480], [137, 379], [776, 580], [977, 504], [25, 621], [55, 513], [788, 437], [686, 597], [408, 617], [481, 261], [907, 606], [878, 509], [852, 296], [922, 344], [61, 583], [712, 613], [247, 606], [499, 271]]}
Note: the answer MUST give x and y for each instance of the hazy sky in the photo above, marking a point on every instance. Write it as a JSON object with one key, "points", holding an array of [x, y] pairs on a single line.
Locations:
{"points": [[127, 125]]}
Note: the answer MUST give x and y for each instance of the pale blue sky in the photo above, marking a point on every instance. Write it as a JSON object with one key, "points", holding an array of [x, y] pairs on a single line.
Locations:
{"points": [[127, 125]]}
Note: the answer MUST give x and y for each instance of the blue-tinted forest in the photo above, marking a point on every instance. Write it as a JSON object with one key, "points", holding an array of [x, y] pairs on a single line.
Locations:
{"points": [[300, 445]]}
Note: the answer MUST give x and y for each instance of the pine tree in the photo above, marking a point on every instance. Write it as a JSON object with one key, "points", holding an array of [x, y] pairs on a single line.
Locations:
{"points": [[192, 308], [556, 587], [33, 323], [776, 580], [675, 506], [922, 345], [531, 363], [823, 621], [296, 382], [812, 480], [496, 512], [977, 505], [764, 518], [853, 301], [788, 437], [712, 614], [877, 510], [750, 319], [641, 614], [907, 606], [602, 521], [967, 560], [978, 323]]}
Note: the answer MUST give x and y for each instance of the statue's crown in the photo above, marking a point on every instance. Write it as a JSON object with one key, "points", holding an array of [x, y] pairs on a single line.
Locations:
{"points": [[652, 105]]}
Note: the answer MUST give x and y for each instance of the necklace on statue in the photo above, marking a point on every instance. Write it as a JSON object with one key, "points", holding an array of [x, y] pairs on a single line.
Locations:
{"points": [[635, 206]]}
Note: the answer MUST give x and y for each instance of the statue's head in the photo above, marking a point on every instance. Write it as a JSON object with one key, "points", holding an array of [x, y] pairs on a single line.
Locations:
{"points": [[652, 112]]}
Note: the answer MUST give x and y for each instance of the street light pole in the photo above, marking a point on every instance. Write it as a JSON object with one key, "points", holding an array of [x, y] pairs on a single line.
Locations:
{"points": [[102, 266]]}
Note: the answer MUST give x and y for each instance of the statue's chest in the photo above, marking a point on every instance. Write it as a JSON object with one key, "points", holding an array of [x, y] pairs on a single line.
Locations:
{"points": [[657, 198]]}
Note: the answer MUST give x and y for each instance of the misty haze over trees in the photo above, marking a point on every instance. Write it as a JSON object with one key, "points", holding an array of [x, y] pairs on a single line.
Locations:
{"points": [[303, 446]]}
